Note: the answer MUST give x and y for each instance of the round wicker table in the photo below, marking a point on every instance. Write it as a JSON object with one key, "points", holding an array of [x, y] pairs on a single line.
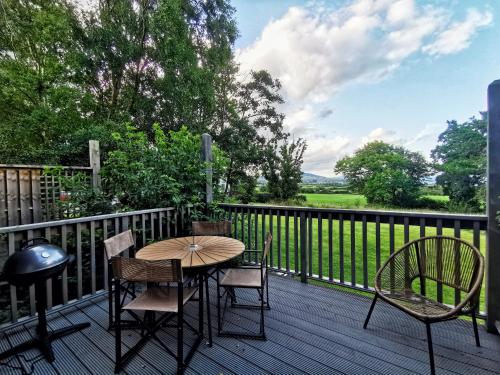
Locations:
{"points": [[198, 253], [195, 251]]}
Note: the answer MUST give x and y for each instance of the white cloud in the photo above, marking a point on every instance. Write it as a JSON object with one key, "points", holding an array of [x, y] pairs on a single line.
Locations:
{"points": [[322, 153], [458, 35], [316, 50], [381, 134]]}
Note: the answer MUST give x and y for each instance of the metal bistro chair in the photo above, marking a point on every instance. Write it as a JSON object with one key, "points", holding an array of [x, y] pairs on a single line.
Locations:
{"points": [[116, 246], [169, 301], [445, 260], [247, 277]]}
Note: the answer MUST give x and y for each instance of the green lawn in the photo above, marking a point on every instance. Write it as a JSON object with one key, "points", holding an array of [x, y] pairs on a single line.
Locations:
{"points": [[350, 200], [280, 253]]}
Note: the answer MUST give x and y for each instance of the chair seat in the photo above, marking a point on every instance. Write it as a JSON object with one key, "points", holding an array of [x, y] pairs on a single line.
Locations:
{"points": [[159, 299], [243, 277], [415, 303]]}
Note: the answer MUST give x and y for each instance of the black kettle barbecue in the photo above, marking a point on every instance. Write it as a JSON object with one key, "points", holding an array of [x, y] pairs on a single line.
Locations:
{"points": [[35, 263]]}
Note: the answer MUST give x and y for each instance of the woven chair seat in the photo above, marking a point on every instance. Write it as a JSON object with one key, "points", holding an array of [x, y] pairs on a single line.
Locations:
{"points": [[159, 299], [416, 304], [243, 277]]}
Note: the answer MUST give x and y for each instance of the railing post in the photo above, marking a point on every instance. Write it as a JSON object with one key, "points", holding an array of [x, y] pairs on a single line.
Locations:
{"points": [[303, 247], [493, 208], [206, 157], [95, 163]]}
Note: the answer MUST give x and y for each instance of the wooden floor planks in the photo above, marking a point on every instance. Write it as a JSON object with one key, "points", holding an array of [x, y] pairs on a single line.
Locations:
{"points": [[310, 329]]}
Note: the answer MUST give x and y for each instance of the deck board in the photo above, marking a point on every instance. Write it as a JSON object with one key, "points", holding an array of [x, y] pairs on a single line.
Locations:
{"points": [[310, 329]]}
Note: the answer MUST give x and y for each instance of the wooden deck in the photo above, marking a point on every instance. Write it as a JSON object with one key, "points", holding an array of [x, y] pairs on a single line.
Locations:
{"points": [[310, 329]]}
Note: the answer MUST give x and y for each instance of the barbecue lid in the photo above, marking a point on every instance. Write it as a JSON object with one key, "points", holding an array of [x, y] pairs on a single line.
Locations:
{"points": [[36, 255]]}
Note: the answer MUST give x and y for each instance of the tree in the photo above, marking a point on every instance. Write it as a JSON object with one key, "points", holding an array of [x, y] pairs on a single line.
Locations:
{"points": [[385, 174], [283, 169], [460, 157], [247, 125]]}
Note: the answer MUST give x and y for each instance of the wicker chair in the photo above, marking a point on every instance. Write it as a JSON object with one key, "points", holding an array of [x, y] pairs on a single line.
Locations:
{"points": [[116, 246], [444, 260], [248, 277], [168, 301], [206, 228]]}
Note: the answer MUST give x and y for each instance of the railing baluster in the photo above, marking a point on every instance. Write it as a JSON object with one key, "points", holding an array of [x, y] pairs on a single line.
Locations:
{"points": [[341, 248], [263, 232], [12, 288], [79, 263], [64, 245], [151, 225], [365, 251], [32, 287], [309, 245], [256, 233], [391, 250], [377, 242], [303, 247], [48, 283], [249, 228], [287, 241], [271, 256], [278, 228], [353, 250], [143, 227], [295, 242], [330, 247], [92, 257], [439, 261], [160, 225], [320, 246], [406, 255], [104, 256], [242, 214], [236, 223], [457, 267], [477, 234]]}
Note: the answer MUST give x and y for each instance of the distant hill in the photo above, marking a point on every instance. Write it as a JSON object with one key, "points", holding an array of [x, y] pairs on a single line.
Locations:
{"points": [[311, 178]]}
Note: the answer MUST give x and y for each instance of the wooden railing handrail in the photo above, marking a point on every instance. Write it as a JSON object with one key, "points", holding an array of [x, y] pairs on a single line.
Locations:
{"points": [[86, 219]]}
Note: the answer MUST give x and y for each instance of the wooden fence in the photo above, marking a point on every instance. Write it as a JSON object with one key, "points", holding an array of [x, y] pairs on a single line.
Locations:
{"points": [[28, 195]]}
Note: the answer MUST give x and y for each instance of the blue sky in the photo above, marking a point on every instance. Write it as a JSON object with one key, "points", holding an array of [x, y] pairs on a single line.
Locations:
{"points": [[359, 70]]}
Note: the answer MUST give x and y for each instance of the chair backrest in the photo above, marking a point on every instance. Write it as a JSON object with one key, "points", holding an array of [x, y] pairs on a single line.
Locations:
{"points": [[446, 260], [140, 270], [267, 246], [450, 261], [206, 228], [117, 244]]}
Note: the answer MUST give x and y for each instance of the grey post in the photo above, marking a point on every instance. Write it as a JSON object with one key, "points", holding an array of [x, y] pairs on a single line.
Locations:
{"points": [[303, 247], [95, 163], [493, 208], [206, 156]]}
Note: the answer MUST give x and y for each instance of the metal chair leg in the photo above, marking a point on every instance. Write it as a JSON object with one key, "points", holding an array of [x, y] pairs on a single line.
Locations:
{"points": [[209, 318], [370, 311], [474, 323], [431, 350], [218, 304]]}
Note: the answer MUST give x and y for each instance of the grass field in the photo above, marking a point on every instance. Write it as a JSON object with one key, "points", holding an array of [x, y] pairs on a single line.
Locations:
{"points": [[350, 254], [350, 200]]}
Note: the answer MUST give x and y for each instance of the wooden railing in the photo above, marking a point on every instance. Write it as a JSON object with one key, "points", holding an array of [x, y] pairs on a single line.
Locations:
{"points": [[83, 238], [346, 247]]}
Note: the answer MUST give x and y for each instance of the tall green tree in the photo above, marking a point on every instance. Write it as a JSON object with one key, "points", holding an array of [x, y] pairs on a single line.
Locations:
{"points": [[283, 169], [42, 102], [460, 159], [385, 174]]}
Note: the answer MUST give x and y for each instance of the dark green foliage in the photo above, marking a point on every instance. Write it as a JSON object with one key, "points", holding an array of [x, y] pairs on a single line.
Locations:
{"points": [[460, 157], [282, 169], [385, 174]]}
